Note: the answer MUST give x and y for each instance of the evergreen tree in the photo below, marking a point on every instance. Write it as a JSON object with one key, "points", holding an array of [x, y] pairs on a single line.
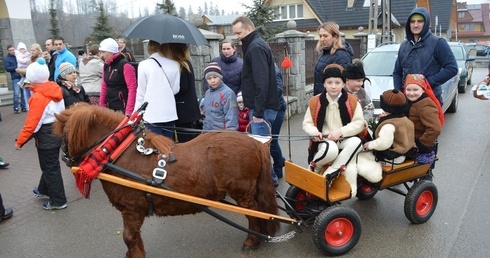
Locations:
{"points": [[102, 28], [182, 13], [262, 15], [53, 20], [167, 7]]}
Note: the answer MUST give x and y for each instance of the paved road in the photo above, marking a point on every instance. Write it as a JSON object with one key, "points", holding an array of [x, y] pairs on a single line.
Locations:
{"points": [[89, 228]]}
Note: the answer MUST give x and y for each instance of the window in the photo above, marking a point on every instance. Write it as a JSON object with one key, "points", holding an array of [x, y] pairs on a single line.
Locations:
{"points": [[367, 3], [292, 12], [460, 15], [287, 12], [284, 12], [228, 29]]}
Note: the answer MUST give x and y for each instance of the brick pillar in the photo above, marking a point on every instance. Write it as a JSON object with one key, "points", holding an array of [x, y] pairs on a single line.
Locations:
{"points": [[363, 37], [297, 99], [202, 55]]}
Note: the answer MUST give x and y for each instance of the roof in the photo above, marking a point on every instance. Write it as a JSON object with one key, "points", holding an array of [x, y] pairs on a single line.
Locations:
{"points": [[442, 9], [220, 19], [358, 15]]}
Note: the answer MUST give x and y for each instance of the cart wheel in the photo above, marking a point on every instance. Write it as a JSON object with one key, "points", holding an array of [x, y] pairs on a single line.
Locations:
{"points": [[421, 201], [365, 189], [337, 230], [296, 197]]}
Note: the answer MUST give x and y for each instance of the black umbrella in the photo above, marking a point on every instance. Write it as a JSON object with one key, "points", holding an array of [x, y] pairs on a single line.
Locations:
{"points": [[164, 28]]}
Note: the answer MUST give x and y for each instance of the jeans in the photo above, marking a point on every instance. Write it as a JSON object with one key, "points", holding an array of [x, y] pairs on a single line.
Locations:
{"points": [[27, 95], [158, 128], [262, 129], [18, 96], [276, 152]]}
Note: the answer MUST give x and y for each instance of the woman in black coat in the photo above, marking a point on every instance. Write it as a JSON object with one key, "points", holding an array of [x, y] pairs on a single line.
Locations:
{"points": [[188, 112]]}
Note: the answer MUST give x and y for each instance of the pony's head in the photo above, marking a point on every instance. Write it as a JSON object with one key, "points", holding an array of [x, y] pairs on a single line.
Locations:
{"points": [[81, 128]]}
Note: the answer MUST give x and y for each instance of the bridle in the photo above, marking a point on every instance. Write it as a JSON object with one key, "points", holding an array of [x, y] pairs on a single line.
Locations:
{"points": [[70, 160]]}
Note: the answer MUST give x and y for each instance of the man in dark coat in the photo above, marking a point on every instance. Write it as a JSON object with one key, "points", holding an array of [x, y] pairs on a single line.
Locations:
{"points": [[10, 64], [424, 53], [50, 55], [259, 86]]}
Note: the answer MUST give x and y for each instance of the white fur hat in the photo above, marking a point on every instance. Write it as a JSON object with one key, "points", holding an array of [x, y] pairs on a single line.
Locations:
{"points": [[109, 45], [37, 72], [239, 97], [21, 45]]}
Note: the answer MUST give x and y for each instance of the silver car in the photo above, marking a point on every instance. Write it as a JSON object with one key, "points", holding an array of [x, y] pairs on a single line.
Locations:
{"points": [[379, 64]]}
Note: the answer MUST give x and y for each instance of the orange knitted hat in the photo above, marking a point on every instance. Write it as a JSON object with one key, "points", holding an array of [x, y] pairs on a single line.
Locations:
{"points": [[420, 80]]}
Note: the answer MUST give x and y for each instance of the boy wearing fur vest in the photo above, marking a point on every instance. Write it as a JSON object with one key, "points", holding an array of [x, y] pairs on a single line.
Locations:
{"points": [[426, 114], [394, 135], [334, 119]]}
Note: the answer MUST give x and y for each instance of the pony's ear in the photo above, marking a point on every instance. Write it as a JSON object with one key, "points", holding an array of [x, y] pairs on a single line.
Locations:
{"points": [[61, 120]]}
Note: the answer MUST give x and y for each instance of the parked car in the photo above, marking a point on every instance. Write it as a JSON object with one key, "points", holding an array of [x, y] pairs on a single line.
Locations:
{"points": [[379, 64], [481, 50], [465, 64]]}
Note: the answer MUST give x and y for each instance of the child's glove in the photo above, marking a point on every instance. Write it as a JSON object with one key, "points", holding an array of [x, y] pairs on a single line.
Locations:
{"points": [[422, 148]]}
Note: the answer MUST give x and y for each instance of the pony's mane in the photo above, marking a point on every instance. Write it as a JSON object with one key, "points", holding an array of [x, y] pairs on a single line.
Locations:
{"points": [[80, 121], [160, 142]]}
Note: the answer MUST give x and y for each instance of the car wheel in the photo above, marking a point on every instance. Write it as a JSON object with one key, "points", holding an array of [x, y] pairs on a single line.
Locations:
{"points": [[462, 85], [454, 105]]}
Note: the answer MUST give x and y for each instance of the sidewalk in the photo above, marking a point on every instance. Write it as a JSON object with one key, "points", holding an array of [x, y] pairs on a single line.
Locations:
{"points": [[18, 180], [23, 174]]}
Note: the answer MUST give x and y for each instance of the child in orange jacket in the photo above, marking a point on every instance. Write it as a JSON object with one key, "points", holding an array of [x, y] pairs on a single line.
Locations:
{"points": [[45, 102]]}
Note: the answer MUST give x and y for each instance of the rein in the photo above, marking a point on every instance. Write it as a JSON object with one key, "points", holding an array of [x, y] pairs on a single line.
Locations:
{"points": [[109, 150], [64, 148]]}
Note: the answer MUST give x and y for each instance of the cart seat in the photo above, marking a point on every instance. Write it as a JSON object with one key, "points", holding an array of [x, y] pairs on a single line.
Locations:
{"points": [[387, 167]]}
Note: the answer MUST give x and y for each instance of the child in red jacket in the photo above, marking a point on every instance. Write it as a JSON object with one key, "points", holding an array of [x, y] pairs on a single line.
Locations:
{"points": [[243, 114]]}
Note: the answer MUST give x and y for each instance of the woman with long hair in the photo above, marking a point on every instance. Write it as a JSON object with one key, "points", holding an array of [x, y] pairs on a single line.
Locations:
{"points": [[186, 100], [333, 51], [158, 82]]}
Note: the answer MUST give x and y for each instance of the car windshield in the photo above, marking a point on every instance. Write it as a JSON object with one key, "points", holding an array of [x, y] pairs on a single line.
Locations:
{"points": [[457, 51], [380, 63]]}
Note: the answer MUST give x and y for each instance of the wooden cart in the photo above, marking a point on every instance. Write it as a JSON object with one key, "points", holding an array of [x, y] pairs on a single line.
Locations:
{"points": [[336, 228]]}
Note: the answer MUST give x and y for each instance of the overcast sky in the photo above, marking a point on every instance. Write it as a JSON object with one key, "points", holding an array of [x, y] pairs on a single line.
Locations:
{"points": [[227, 5]]}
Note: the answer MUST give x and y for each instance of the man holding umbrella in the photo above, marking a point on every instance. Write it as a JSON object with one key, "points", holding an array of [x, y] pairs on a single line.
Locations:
{"points": [[259, 87]]}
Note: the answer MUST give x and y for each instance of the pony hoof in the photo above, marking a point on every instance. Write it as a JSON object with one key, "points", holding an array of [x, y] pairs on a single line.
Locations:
{"points": [[248, 249]]}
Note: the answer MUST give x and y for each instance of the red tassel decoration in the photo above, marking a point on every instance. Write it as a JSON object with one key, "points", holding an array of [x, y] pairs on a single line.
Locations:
{"points": [[286, 63]]}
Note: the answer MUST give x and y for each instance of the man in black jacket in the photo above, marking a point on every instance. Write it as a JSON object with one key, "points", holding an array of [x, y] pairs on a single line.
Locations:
{"points": [[50, 56], [259, 87]]}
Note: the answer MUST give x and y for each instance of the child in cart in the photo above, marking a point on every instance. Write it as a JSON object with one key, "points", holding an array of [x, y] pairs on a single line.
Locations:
{"points": [[426, 114], [334, 119], [394, 135]]}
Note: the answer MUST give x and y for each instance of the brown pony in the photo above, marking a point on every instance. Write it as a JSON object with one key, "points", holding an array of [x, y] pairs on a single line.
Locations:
{"points": [[208, 166]]}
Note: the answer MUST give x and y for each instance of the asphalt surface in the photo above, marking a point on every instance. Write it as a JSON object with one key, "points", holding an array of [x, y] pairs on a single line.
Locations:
{"points": [[92, 227]]}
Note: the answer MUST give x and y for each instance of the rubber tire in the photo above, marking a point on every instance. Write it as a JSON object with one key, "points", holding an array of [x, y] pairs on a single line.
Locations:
{"points": [[421, 202], [365, 189], [454, 105], [340, 219], [297, 194], [462, 88]]}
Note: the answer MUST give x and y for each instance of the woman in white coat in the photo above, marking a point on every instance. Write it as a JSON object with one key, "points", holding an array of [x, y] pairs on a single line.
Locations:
{"points": [[158, 82]]}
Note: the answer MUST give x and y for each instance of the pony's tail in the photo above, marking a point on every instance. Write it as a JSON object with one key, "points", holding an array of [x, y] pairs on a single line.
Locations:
{"points": [[266, 194]]}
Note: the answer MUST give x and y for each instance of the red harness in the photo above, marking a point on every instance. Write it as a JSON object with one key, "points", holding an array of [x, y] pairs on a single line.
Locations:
{"points": [[108, 151]]}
